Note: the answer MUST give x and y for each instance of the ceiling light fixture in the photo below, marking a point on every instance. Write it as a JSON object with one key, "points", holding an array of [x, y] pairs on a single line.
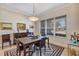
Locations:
{"points": [[33, 17]]}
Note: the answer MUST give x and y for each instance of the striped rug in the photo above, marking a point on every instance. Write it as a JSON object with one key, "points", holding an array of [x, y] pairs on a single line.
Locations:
{"points": [[54, 50]]}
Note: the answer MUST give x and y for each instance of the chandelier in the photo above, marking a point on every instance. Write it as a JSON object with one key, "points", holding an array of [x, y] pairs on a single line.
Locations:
{"points": [[33, 17]]}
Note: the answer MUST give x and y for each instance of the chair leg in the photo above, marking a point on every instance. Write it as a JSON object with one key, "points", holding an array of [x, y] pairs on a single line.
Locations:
{"points": [[19, 53], [10, 43], [44, 49], [29, 51], [40, 51], [2, 45], [34, 49]]}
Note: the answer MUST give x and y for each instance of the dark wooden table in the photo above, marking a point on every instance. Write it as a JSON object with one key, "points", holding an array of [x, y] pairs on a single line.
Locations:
{"points": [[25, 41]]}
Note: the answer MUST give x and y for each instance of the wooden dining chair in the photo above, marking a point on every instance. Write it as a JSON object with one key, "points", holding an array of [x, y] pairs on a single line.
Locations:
{"points": [[20, 49], [41, 44], [5, 39], [19, 35]]}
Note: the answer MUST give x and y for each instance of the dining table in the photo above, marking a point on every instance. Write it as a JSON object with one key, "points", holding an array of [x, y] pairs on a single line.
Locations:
{"points": [[26, 41]]}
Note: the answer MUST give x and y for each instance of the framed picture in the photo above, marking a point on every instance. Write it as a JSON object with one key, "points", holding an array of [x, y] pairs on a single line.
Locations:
{"points": [[21, 26], [5, 26], [31, 26]]}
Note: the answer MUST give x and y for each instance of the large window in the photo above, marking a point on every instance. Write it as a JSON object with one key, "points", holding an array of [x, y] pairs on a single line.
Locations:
{"points": [[60, 28], [43, 27], [54, 26], [50, 26]]}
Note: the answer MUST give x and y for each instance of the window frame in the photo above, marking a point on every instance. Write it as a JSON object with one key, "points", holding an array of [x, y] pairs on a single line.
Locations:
{"points": [[60, 34], [54, 26]]}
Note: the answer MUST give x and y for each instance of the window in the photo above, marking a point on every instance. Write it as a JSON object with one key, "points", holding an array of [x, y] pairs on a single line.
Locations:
{"points": [[54, 26], [60, 26], [50, 26], [43, 27]]}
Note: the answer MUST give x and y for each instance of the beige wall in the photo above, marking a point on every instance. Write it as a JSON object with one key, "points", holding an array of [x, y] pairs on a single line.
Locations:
{"points": [[71, 10]]}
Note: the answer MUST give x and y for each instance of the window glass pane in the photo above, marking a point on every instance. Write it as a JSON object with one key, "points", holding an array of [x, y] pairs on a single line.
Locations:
{"points": [[60, 29], [43, 27], [50, 25]]}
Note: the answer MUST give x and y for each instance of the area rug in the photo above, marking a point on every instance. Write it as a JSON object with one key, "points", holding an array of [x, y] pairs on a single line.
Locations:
{"points": [[53, 50]]}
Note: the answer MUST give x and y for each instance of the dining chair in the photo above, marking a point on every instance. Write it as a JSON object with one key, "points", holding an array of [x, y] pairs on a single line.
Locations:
{"points": [[20, 49], [5, 39], [19, 35], [41, 44]]}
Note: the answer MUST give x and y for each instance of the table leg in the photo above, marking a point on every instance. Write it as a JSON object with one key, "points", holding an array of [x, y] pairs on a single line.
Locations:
{"points": [[68, 50], [24, 48], [48, 42], [18, 49]]}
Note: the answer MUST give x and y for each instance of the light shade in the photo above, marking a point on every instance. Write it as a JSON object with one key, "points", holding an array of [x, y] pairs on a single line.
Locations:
{"points": [[33, 18]]}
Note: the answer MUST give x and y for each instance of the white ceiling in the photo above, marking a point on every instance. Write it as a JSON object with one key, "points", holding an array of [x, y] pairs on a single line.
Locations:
{"points": [[27, 8]]}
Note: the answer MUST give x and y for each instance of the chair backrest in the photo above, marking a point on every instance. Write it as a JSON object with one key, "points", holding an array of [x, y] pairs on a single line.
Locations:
{"points": [[15, 35], [20, 35], [43, 34], [5, 37], [24, 34], [42, 42], [30, 34]]}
